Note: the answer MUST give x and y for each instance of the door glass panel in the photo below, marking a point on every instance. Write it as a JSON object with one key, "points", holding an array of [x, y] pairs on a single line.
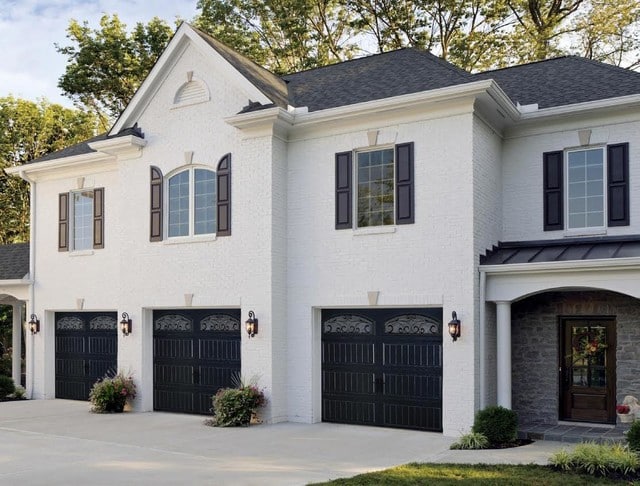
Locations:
{"points": [[588, 356]]}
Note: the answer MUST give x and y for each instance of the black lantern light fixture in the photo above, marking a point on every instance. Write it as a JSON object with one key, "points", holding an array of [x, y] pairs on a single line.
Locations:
{"points": [[252, 324], [125, 324], [34, 324], [454, 326]]}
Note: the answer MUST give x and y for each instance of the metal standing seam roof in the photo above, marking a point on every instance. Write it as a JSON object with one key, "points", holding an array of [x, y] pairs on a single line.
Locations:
{"points": [[574, 249], [14, 261]]}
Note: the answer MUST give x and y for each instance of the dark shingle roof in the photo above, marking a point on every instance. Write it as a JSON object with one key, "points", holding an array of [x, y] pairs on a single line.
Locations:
{"points": [[563, 250], [83, 147], [564, 81], [14, 261], [372, 78]]}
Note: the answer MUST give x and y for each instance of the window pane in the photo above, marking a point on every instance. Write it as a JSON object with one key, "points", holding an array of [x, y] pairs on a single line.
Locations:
{"points": [[82, 220], [375, 188], [205, 202], [179, 204], [585, 188]]}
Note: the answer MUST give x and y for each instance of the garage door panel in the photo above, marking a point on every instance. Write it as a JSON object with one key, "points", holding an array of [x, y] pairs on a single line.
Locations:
{"points": [[170, 374], [70, 345], [86, 347], [405, 354], [196, 352], [219, 349], [336, 382], [103, 345], [382, 367], [173, 348], [349, 411], [348, 353]]}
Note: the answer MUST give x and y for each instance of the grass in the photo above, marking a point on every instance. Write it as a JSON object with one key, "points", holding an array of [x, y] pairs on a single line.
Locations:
{"points": [[476, 475]]}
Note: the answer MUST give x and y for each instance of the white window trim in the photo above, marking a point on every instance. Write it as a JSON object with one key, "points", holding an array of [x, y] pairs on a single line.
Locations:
{"points": [[191, 236], [368, 230], [586, 231]]}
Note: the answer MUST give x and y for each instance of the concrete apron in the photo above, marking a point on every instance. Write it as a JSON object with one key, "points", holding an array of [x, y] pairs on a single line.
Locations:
{"points": [[60, 442]]}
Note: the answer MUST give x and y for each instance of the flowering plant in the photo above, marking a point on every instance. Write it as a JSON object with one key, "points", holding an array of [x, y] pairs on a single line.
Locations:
{"points": [[109, 394], [235, 406], [623, 409]]}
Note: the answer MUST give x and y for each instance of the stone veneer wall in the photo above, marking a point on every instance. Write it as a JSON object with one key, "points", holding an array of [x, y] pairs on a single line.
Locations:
{"points": [[535, 335]]}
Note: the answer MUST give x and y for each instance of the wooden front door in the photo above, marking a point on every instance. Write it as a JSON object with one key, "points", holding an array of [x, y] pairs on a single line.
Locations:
{"points": [[587, 370]]}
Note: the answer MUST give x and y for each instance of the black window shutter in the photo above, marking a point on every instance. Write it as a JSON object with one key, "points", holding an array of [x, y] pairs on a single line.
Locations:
{"points": [[155, 226], [98, 218], [63, 221], [553, 193], [344, 212], [223, 194], [404, 184], [618, 184]]}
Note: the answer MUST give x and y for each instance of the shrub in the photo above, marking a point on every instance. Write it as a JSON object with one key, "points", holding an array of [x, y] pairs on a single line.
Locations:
{"points": [[633, 436], [234, 406], [471, 441], [498, 424], [20, 393], [5, 364], [597, 459], [7, 386], [110, 394]]}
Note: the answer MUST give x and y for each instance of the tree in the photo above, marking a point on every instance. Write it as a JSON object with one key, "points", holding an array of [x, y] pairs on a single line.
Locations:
{"points": [[107, 65], [29, 130]]}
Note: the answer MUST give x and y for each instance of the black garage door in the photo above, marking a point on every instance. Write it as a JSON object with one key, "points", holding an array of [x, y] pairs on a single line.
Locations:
{"points": [[382, 367], [86, 350], [195, 352]]}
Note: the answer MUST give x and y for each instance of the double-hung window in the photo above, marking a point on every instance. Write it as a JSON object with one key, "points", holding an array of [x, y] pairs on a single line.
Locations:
{"points": [[383, 188], [192, 203], [81, 220], [586, 189]]}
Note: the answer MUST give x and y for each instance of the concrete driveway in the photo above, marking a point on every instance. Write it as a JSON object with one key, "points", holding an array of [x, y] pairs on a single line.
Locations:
{"points": [[60, 442]]}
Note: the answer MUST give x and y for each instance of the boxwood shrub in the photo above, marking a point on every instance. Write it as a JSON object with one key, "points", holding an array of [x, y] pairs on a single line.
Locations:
{"points": [[498, 424]]}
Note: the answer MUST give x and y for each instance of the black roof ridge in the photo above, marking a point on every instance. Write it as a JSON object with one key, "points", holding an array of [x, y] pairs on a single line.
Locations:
{"points": [[586, 240], [442, 62]]}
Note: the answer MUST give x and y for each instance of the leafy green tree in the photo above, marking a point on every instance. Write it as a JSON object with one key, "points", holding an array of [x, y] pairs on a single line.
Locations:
{"points": [[105, 66], [29, 130]]}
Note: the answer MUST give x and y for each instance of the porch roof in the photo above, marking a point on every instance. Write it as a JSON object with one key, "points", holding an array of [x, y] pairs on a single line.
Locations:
{"points": [[14, 261], [592, 248]]}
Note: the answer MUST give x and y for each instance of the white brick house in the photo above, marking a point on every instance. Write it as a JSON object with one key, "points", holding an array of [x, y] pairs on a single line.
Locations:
{"points": [[351, 208]]}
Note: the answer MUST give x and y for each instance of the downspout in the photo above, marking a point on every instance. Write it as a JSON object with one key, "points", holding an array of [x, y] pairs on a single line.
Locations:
{"points": [[483, 341], [32, 267]]}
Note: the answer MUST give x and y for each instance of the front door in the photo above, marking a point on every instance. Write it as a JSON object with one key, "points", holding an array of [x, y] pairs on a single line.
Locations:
{"points": [[587, 370]]}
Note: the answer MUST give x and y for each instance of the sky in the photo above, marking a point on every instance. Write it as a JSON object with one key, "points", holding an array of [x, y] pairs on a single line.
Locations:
{"points": [[29, 63]]}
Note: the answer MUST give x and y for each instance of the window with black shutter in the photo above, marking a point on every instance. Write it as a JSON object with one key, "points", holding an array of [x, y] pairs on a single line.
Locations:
{"points": [[81, 220], [155, 219], [223, 203], [381, 181]]}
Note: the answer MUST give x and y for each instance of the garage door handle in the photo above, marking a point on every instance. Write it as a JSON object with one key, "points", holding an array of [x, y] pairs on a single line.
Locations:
{"points": [[196, 377]]}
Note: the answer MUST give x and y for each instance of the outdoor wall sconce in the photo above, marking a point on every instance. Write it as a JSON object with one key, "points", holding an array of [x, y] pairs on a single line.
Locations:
{"points": [[252, 324], [34, 324], [125, 324], [454, 326]]}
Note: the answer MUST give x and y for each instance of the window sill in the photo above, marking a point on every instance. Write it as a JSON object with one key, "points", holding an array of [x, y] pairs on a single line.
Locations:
{"points": [[81, 253], [572, 233], [180, 240], [377, 230]]}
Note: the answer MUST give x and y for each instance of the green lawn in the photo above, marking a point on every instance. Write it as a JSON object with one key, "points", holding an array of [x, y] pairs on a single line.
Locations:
{"points": [[476, 475]]}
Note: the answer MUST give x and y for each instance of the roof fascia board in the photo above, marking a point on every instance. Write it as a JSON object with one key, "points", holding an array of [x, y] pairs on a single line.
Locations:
{"points": [[163, 65], [368, 108], [15, 282], [580, 108], [128, 146], [58, 168], [632, 263]]}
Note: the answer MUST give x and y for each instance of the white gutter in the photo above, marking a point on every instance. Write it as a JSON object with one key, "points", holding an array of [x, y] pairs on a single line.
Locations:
{"points": [[483, 341], [47, 165], [576, 108], [576, 265], [16, 282]]}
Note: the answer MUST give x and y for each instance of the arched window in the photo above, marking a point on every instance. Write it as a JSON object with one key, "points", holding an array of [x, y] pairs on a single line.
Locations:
{"points": [[192, 203]]}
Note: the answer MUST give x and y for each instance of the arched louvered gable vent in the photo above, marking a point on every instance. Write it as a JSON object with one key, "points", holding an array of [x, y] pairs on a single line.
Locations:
{"points": [[193, 91]]}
